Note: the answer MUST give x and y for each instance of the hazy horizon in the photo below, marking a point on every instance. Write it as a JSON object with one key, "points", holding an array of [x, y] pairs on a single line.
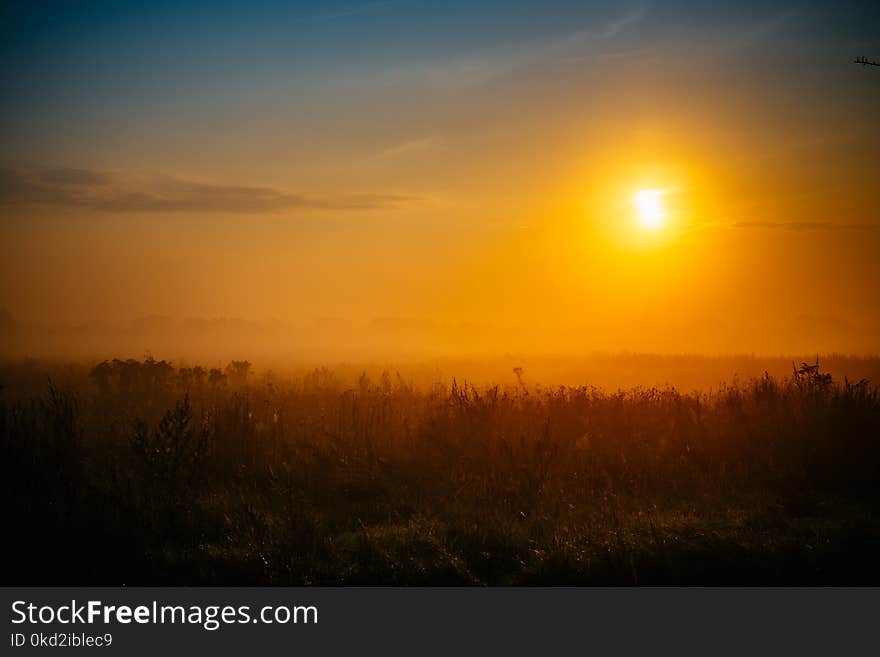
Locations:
{"points": [[326, 340]]}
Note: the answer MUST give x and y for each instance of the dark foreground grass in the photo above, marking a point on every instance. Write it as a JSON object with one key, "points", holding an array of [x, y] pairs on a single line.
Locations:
{"points": [[140, 473]]}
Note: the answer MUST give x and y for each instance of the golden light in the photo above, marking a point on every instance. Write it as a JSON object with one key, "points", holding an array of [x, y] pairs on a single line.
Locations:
{"points": [[649, 205]]}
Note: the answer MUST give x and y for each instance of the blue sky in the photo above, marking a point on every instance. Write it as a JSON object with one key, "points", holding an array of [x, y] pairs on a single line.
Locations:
{"points": [[88, 62]]}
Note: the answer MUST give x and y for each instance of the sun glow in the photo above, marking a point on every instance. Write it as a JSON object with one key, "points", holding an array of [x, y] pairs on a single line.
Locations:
{"points": [[649, 205]]}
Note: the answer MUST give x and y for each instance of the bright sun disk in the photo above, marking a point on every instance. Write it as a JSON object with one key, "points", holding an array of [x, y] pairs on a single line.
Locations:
{"points": [[650, 208]]}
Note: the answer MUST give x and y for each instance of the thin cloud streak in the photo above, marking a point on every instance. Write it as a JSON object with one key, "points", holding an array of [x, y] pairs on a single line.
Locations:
{"points": [[92, 190], [407, 148], [805, 225], [479, 69]]}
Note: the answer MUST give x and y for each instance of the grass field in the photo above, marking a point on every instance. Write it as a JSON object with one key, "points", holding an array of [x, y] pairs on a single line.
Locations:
{"points": [[140, 472]]}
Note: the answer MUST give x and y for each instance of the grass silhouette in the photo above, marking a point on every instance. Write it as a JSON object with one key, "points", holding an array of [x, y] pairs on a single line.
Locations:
{"points": [[137, 472]]}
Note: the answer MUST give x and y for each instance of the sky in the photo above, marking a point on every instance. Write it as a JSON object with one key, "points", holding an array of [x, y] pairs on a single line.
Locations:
{"points": [[459, 174]]}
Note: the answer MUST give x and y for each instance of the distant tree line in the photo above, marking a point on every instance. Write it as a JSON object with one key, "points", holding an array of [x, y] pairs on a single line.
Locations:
{"points": [[132, 376]]}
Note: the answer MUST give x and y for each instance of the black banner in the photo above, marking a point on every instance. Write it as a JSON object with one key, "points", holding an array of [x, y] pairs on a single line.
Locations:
{"points": [[143, 621]]}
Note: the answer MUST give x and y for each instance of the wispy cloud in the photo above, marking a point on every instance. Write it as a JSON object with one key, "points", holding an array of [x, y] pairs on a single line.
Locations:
{"points": [[99, 191], [407, 147], [67, 176], [805, 225], [615, 27], [575, 41], [480, 68]]}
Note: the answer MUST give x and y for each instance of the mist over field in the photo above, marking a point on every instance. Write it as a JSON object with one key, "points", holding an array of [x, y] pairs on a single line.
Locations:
{"points": [[424, 352]]}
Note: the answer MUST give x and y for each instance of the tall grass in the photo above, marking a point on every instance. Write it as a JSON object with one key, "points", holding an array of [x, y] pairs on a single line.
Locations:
{"points": [[140, 472]]}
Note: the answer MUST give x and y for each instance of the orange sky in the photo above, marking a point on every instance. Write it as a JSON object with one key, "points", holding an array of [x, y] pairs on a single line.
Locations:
{"points": [[486, 192]]}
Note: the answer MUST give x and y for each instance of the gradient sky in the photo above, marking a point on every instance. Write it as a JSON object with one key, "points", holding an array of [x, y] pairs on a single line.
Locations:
{"points": [[457, 162]]}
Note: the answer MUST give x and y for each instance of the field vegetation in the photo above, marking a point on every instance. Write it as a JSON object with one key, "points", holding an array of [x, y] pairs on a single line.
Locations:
{"points": [[142, 472]]}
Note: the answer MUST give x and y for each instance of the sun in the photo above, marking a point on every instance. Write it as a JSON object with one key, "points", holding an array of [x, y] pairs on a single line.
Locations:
{"points": [[649, 205]]}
